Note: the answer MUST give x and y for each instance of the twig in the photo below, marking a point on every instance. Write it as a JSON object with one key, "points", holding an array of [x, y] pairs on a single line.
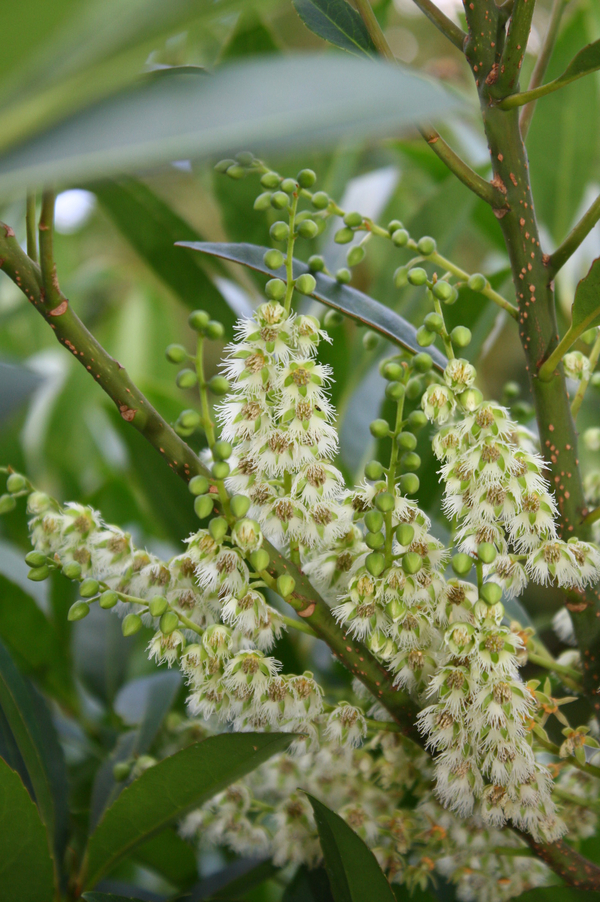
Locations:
{"points": [[453, 32], [30, 226], [575, 237], [478, 185], [585, 381], [514, 48], [592, 517], [590, 769], [541, 64], [374, 29]]}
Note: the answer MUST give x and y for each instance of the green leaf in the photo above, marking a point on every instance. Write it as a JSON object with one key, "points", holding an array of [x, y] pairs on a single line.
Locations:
{"points": [[587, 60], [35, 737], [152, 228], [260, 103], [170, 789], [26, 872], [337, 22], [108, 897], [250, 37], [586, 306], [308, 885], [556, 894], [170, 856], [328, 291], [354, 873]]}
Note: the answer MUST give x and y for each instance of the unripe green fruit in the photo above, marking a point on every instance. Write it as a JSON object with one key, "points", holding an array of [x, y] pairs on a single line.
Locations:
{"points": [[422, 363], [236, 172], [374, 521], [308, 229], [486, 552], [343, 276], [417, 276], [416, 420], [511, 390], [39, 574], [412, 562], [406, 441], [374, 470], [220, 469], [176, 353], [589, 337], [491, 592], [78, 611], [186, 379], [263, 201], [522, 411], [35, 559], [131, 625], [279, 200], [442, 290], [477, 282], [461, 564], [343, 236], [434, 322], [405, 533], [121, 771], [189, 419], [182, 431], [215, 330], [169, 622], [394, 225], [353, 219], [394, 391], [279, 231], [158, 605], [222, 450], [223, 165], [273, 259], [108, 599], [401, 277], [409, 483], [453, 297], [7, 504], [426, 245], [16, 483], [270, 180], [306, 283], [333, 319], [72, 570], [461, 336], [374, 540], [285, 585], [89, 587], [306, 178], [240, 505], [355, 255], [218, 528], [199, 320], [375, 563], [425, 338], [219, 385], [260, 559], [384, 502], [410, 461], [393, 372], [289, 185], [245, 158], [203, 506], [414, 388], [379, 428], [320, 200], [471, 398], [595, 380], [316, 263], [198, 485], [400, 238]]}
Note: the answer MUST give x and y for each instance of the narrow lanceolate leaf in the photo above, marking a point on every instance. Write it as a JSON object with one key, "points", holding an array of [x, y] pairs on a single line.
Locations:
{"points": [[328, 291], [25, 863], [586, 306], [259, 103], [584, 62], [556, 894], [338, 23], [170, 789], [108, 897], [152, 228], [353, 871]]}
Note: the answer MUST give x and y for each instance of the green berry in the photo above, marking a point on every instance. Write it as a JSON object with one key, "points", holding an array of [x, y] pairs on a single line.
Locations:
{"points": [[416, 420], [486, 552], [355, 255], [189, 419], [461, 564], [442, 290], [275, 289], [412, 562], [343, 276], [379, 428], [35, 559], [308, 229], [72, 570], [203, 506], [273, 259], [289, 185], [353, 219], [131, 625], [219, 385], [263, 202], [39, 574], [240, 505], [343, 236], [406, 441], [222, 450], [405, 533], [221, 469], [306, 178], [374, 520], [306, 283], [394, 225], [511, 390], [270, 180], [589, 337], [169, 622], [409, 483], [491, 592], [400, 238], [108, 599], [259, 559], [422, 363], [199, 320], [198, 485], [453, 297], [236, 172], [78, 611], [121, 770], [394, 391], [333, 319], [16, 483], [182, 431], [401, 277], [215, 330], [393, 372], [158, 605], [186, 378], [410, 461], [279, 231], [477, 282], [417, 276], [471, 398], [218, 528], [374, 540], [176, 353], [370, 340], [424, 337], [434, 322], [414, 388], [7, 504], [316, 263], [384, 502], [245, 158], [320, 200], [375, 563], [426, 245], [374, 470], [89, 587], [223, 165], [461, 336], [279, 200], [285, 585]]}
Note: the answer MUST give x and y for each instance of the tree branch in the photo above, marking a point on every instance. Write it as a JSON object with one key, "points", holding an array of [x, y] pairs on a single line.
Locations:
{"points": [[478, 185], [453, 32], [514, 48], [575, 237]]}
